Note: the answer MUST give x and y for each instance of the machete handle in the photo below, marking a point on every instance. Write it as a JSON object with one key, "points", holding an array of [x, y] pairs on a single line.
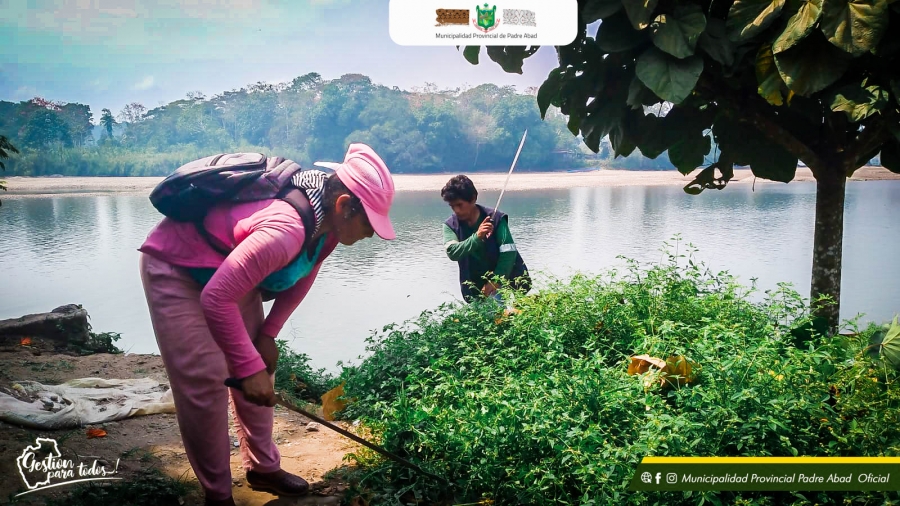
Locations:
{"points": [[234, 383], [237, 384]]}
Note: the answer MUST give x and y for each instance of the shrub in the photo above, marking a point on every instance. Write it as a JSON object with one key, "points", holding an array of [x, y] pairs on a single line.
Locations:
{"points": [[296, 377], [538, 407]]}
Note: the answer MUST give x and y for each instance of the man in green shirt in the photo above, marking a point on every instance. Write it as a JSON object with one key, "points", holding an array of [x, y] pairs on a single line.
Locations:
{"points": [[481, 248]]}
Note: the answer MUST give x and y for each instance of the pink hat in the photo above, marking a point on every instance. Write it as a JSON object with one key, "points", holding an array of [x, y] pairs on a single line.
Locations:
{"points": [[365, 174]]}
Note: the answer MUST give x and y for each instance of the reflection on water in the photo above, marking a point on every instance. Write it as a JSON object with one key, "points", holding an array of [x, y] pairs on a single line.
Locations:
{"points": [[68, 249]]}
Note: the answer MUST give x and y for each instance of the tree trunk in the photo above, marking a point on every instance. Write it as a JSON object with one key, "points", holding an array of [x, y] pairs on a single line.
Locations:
{"points": [[828, 244]]}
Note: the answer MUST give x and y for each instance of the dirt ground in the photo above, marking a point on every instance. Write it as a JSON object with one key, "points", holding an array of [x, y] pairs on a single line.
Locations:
{"points": [[22, 186], [154, 441]]}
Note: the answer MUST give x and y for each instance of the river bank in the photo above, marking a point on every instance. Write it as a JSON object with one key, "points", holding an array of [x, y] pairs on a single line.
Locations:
{"points": [[25, 186]]}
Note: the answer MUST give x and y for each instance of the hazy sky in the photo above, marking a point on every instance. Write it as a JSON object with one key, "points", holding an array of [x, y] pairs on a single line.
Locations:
{"points": [[106, 53]]}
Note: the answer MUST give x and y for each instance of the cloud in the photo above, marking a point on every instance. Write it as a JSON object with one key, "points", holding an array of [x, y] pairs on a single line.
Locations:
{"points": [[144, 84]]}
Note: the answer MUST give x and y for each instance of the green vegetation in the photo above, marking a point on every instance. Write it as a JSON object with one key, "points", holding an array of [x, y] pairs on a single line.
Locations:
{"points": [[539, 407], [308, 119], [749, 82], [102, 342], [296, 377], [6, 148]]}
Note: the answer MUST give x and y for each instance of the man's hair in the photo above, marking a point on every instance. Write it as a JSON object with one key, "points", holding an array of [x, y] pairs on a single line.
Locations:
{"points": [[459, 188]]}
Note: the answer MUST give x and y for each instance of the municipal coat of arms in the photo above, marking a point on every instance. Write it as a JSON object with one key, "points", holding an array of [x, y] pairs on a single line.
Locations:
{"points": [[486, 18]]}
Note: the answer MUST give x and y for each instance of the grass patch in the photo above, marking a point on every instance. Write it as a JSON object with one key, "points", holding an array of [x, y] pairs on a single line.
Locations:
{"points": [[538, 408], [60, 365]]}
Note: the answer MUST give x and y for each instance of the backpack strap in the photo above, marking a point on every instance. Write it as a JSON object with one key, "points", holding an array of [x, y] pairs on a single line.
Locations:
{"points": [[298, 200]]}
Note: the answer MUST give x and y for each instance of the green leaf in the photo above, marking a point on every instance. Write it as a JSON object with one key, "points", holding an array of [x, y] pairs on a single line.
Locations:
{"points": [[747, 18], [677, 34], [859, 103], [889, 347], [608, 108], [471, 54], [640, 95], [660, 133], [602, 118], [812, 65], [550, 89], [599, 9], [657, 136], [895, 90], [854, 26], [511, 58], [640, 12], [707, 180], [890, 155], [690, 188], [715, 42], [747, 146], [688, 154], [799, 25], [777, 165], [616, 34], [574, 124], [576, 91], [592, 142], [770, 82], [670, 78], [620, 141]]}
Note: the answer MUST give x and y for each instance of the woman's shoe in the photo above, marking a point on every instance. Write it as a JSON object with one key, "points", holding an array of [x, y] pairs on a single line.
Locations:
{"points": [[280, 483]]}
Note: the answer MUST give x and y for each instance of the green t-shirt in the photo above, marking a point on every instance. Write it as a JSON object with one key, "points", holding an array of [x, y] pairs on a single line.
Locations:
{"points": [[469, 245]]}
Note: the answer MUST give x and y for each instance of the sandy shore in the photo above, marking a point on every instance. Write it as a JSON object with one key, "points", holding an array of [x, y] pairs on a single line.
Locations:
{"points": [[22, 186]]}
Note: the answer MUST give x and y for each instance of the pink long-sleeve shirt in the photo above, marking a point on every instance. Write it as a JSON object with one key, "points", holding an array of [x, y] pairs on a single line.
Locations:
{"points": [[265, 236]]}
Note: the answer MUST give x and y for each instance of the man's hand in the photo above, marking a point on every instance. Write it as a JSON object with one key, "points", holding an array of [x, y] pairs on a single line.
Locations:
{"points": [[489, 289], [485, 229], [258, 389], [267, 349]]}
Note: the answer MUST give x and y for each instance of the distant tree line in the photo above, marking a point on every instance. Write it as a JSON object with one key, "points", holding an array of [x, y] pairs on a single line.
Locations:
{"points": [[424, 130]]}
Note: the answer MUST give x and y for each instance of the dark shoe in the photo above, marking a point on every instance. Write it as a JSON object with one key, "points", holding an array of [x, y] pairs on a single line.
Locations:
{"points": [[219, 502], [280, 483]]}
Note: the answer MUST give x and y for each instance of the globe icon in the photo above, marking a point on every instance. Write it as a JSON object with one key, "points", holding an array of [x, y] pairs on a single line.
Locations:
{"points": [[646, 478]]}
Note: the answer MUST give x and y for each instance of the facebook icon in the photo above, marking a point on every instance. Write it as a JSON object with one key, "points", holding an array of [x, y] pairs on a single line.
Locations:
{"points": [[658, 476]]}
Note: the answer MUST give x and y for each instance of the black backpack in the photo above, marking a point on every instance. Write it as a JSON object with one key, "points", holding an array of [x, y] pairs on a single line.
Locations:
{"points": [[193, 189]]}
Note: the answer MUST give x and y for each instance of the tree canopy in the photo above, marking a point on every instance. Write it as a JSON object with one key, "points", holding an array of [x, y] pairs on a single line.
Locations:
{"points": [[770, 82], [767, 82]]}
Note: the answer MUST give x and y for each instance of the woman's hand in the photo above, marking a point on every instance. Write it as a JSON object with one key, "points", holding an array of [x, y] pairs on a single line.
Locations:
{"points": [[258, 389], [267, 349]]}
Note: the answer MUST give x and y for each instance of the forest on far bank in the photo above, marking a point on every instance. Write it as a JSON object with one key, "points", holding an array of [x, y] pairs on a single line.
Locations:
{"points": [[423, 130]]}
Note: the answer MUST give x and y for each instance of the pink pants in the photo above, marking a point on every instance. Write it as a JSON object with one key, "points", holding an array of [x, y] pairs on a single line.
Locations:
{"points": [[197, 369]]}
